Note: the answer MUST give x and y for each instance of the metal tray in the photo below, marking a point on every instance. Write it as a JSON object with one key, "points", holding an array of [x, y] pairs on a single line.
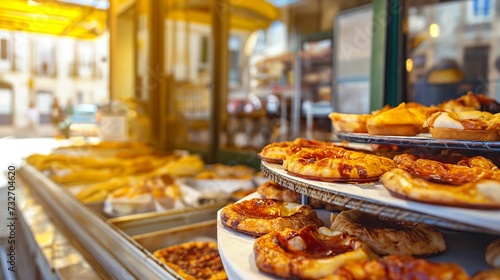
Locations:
{"points": [[374, 198], [156, 221], [203, 231], [422, 140]]}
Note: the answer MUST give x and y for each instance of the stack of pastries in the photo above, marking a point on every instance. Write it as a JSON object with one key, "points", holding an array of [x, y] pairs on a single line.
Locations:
{"points": [[290, 242], [470, 117]]}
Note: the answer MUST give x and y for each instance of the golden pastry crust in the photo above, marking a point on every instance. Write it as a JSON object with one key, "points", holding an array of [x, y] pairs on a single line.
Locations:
{"points": [[349, 122], [467, 125], [492, 254], [399, 267], [278, 151], [389, 237], [337, 164], [484, 193], [490, 274], [309, 253], [273, 190], [406, 119], [258, 216], [466, 170], [194, 260]]}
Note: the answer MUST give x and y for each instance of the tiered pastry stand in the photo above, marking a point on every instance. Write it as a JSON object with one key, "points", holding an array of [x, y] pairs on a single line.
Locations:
{"points": [[467, 232]]}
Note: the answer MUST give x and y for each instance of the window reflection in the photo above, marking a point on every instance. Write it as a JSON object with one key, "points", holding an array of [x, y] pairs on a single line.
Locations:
{"points": [[452, 46]]}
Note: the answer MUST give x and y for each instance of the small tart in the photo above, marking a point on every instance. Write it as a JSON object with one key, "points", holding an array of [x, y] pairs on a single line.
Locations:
{"points": [[390, 237], [194, 260], [337, 164], [466, 170], [258, 216], [467, 125], [308, 253]]}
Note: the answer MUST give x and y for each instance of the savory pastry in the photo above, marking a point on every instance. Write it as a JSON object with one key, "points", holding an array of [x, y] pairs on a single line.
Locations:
{"points": [[398, 267], [194, 260], [390, 237], [484, 193], [406, 119], [466, 170], [277, 152], [258, 216], [471, 102], [349, 122], [309, 253], [467, 125], [493, 253], [489, 274], [273, 190], [337, 164]]}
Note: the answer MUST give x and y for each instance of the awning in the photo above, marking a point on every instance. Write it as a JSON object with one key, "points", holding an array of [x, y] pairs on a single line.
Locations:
{"points": [[249, 15], [61, 18]]}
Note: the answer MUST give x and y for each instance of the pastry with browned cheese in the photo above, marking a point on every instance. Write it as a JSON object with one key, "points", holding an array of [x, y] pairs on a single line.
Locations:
{"points": [[258, 216], [483, 193], [194, 260], [308, 253], [337, 164], [468, 169]]}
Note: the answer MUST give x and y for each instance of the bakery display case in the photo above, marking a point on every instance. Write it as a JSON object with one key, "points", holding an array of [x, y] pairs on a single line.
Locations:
{"points": [[105, 244]]}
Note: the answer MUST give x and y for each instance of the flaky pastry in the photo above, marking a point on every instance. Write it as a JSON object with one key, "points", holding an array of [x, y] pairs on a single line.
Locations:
{"points": [[397, 268], [258, 216], [466, 170], [390, 237], [337, 164], [278, 151], [484, 193], [308, 253]]}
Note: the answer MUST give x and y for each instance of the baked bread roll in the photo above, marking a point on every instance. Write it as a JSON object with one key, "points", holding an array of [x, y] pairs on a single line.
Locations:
{"points": [[467, 125], [390, 237]]}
